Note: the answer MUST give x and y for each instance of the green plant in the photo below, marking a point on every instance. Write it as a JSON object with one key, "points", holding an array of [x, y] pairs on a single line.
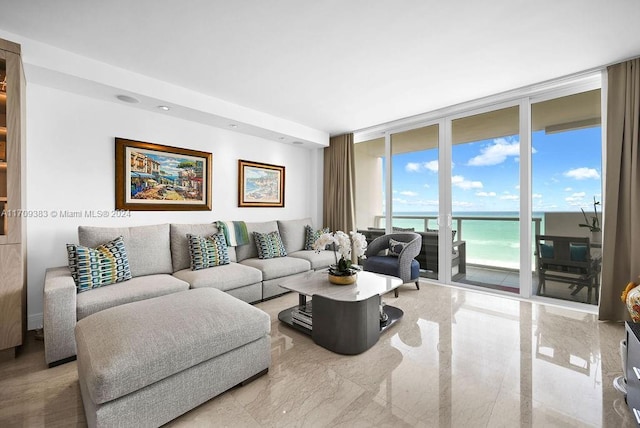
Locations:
{"points": [[594, 223]]}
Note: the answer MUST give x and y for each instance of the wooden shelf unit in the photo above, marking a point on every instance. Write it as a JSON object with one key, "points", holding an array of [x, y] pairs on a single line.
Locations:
{"points": [[13, 311]]}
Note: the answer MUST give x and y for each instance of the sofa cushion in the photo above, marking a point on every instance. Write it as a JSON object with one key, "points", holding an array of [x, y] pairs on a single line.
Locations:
{"points": [[225, 277], [269, 245], [278, 267], [388, 265], [318, 260], [94, 267], [126, 348], [180, 255], [208, 251], [250, 251], [147, 246], [139, 288], [293, 233]]}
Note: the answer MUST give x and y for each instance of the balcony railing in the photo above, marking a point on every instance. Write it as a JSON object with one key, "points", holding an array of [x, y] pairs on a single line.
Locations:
{"points": [[493, 232]]}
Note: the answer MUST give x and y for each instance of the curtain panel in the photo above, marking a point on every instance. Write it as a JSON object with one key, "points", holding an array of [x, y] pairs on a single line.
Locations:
{"points": [[621, 243], [339, 184]]}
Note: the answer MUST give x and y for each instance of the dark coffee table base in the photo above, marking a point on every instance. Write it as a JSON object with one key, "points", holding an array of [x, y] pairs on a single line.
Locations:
{"points": [[347, 328]]}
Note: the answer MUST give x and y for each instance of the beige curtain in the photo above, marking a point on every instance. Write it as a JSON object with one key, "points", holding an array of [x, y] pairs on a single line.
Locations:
{"points": [[621, 251], [339, 183]]}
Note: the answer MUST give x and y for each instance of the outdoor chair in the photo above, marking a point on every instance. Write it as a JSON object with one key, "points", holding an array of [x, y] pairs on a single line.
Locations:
{"points": [[568, 260], [398, 260]]}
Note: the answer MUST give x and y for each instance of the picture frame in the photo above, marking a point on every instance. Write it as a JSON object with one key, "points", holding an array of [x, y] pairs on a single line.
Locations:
{"points": [[154, 177], [260, 184]]}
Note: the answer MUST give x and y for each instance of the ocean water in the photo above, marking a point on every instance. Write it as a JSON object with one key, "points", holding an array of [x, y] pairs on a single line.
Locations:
{"points": [[488, 242]]}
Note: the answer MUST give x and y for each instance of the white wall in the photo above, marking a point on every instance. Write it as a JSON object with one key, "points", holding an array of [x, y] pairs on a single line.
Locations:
{"points": [[70, 166], [565, 224]]}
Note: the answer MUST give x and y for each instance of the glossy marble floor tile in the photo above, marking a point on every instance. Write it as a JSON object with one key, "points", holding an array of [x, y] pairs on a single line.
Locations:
{"points": [[458, 358]]}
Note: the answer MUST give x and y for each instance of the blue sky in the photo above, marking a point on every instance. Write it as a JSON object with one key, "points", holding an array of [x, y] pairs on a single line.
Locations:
{"points": [[567, 174]]}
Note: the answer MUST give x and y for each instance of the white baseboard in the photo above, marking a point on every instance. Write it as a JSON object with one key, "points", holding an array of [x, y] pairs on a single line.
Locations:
{"points": [[35, 321]]}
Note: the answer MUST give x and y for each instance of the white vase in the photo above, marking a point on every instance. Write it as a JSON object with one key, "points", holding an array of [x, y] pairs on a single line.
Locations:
{"points": [[596, 237]]}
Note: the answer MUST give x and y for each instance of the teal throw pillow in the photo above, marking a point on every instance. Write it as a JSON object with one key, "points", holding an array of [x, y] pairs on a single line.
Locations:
{"points": [[312, 235], [396, 247], [95, 267], [578, 253], [209, 251], [546, 251], [269, 245]]}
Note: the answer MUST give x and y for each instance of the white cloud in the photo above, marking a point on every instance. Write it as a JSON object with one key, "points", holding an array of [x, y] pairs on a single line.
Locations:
{"points": [[419, 167], [536, 196], [509, 197], [417, 203], [575, 198], [426, 185], [408, 193], [462, 204], [486, 194], [431, 166], [568, 189], [582, 173], [496, 153], [412, 167], [459, 181]]}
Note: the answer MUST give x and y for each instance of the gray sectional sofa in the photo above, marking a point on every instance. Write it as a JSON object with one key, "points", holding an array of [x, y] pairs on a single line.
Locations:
{"points": [[159, 260]]}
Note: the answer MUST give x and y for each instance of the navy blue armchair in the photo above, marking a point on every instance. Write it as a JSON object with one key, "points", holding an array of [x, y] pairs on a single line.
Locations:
{"points": [[399, 260]]}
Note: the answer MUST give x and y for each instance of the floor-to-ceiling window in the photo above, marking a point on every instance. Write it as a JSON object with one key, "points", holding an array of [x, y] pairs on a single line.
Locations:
{"points": [[415, 201], [566, 177], [485, 195], [370, 189], [461, 172]]}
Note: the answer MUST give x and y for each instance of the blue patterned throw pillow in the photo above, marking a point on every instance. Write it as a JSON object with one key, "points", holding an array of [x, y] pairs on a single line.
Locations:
{"points": [[396, 247], [208, 251], [269, 245], [311, 236], [94, 267]]}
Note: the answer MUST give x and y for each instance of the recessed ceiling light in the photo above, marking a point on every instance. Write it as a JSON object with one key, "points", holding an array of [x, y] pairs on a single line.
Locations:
{"points": [[165, 108], [127, 99], [233, 125]]}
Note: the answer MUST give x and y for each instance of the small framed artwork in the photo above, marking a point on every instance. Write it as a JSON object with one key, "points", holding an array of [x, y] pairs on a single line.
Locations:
{"points": [[152, 177], [260, 184]]}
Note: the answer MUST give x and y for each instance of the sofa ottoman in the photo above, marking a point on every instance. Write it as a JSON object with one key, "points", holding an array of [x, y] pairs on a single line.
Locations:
{"points": [[147, 362]]}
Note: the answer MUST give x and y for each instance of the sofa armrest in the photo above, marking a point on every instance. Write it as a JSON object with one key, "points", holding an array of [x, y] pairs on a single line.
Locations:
{"points": [[59, 315]]}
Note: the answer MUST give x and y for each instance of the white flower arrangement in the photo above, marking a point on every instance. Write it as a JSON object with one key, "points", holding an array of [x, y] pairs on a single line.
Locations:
{"points": [[350, 245]]}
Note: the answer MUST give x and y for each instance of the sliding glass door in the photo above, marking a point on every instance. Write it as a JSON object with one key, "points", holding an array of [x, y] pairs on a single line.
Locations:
{"points": [[415, 194], [481, 185], [485, 198], [567, 192]]}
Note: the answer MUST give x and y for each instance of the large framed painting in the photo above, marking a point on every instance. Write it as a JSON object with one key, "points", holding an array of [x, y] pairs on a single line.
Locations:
{"points": [[153, 177], [260, 184]]}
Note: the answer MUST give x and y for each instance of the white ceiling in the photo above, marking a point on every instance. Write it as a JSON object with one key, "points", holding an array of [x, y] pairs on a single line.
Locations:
{"points": [[338, 65]]}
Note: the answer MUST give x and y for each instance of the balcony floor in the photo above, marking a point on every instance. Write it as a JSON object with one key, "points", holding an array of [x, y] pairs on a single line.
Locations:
{"points": [[508, 280]]}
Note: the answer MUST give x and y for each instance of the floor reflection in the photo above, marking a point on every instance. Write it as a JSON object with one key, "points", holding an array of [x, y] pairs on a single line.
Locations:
{"points": [[458, 358]]}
